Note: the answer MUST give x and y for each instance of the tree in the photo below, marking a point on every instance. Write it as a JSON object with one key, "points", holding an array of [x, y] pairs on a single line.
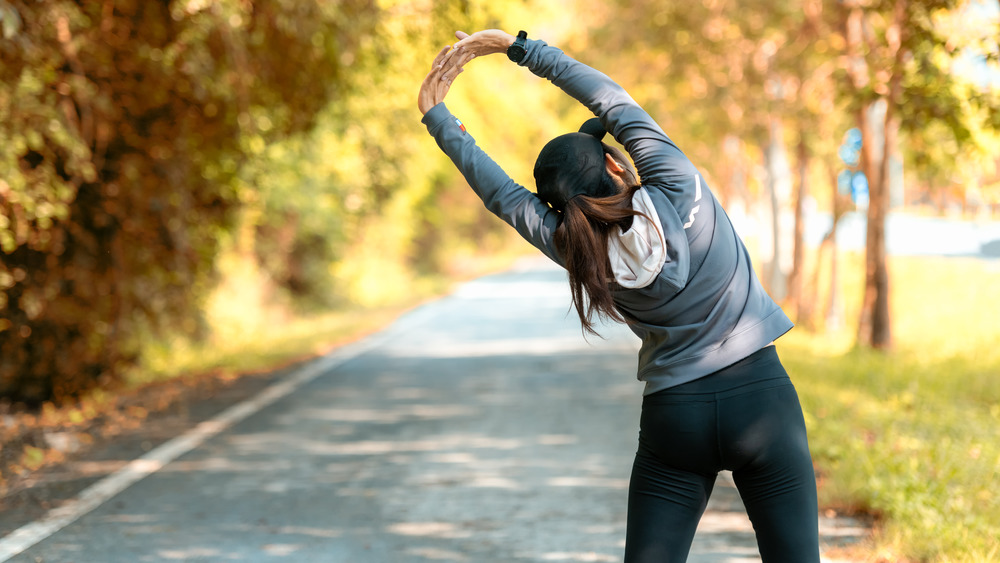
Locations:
{"points": [[123, 125], [898, 79], [365, 209]]}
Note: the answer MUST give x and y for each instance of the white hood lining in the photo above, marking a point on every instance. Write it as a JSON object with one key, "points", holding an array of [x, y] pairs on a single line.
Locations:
{"points": [[638, 254]]}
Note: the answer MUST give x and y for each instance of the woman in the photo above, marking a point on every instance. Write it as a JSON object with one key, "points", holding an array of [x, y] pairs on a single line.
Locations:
{"points": [[661, 256]]}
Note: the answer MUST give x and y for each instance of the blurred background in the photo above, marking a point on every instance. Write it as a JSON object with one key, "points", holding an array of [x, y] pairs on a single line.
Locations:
{"points": [[199, 185]]}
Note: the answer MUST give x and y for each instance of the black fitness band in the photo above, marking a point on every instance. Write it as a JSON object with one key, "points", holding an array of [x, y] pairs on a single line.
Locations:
{"points": [[516, 51]]}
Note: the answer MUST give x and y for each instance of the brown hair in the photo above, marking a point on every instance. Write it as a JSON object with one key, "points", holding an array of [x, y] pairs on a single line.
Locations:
{"points": [[582, 240]]}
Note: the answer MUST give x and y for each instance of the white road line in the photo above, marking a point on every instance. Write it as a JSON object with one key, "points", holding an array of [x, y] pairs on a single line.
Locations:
{"points": [[100, 492]]}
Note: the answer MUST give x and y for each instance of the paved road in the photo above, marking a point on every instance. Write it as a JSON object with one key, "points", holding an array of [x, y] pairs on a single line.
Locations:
{"points": [[480, 428]]}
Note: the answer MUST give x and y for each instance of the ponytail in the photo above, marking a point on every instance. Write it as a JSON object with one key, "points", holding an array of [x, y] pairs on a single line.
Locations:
{"points": [[582, 240]]}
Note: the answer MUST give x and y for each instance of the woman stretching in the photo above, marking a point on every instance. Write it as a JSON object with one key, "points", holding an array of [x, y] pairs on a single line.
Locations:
{"points": [[661, 256]]}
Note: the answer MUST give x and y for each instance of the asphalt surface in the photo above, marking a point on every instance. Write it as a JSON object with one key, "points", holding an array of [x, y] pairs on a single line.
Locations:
{"points": [[481, 427]]}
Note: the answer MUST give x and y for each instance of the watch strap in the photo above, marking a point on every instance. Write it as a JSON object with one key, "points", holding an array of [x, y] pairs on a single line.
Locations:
{"points": [[517, 50]]}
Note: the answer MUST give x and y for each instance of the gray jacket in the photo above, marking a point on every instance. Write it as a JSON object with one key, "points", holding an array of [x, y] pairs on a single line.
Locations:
{"points": [[703, 308]]}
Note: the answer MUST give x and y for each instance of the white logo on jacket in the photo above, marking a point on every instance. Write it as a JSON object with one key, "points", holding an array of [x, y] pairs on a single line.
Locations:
{"points": [[697, 198]]}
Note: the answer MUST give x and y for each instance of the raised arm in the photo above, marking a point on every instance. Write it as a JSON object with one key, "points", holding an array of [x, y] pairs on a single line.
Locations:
{"points": [[662, 166], [506, 199], [658, 160]]}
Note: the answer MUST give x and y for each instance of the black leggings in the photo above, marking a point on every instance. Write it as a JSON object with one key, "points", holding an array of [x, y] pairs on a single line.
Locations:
{"points": [[745, 418]]}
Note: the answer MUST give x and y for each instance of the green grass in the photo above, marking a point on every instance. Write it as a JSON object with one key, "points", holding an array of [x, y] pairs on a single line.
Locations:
{"points": [[261, 348], [912, 436]]}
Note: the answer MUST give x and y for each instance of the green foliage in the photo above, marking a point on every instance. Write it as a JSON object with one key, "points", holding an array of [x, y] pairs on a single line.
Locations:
{"points": [[335, 208], [952, 111], [138, 140], [943, 113], [123, 126], [713, 69]]}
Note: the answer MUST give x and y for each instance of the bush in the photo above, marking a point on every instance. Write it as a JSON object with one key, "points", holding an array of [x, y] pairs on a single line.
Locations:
{"points": [[122, 130]]}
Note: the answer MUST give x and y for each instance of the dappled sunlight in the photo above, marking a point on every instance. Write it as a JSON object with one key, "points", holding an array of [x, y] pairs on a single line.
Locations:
{"points": [[408, 393], [728, 554], [387, 416], [601, 529], [598, 482], [576, 556], [227, 465], [493, 482], [557, 439], [196, 553], [436, 554], [478, 478], [267, 443], [445, 530], [339, 430], [280, 549], [726, 522], [129, 518], [503, 347], [453, 457], [308, 531], [373, 447]]}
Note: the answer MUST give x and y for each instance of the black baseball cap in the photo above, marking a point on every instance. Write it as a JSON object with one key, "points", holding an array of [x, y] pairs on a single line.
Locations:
{"points": [[572, 165]]}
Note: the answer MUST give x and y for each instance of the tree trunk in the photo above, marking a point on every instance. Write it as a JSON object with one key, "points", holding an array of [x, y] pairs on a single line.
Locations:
{"points": [[834, 317], [795, 297], [874, 327], [779, 186]]}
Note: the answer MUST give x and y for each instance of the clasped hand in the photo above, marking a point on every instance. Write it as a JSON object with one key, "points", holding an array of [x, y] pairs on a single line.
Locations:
{"points": [[451, 60]]}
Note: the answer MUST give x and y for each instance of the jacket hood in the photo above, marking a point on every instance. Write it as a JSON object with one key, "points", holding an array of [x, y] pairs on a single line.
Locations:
{"points": [[638, 254]]}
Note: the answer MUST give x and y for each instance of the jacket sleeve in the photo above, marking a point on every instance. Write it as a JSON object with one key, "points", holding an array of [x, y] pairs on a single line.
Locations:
{"points": [[506, 199], [657, 159], [660, 163]]}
